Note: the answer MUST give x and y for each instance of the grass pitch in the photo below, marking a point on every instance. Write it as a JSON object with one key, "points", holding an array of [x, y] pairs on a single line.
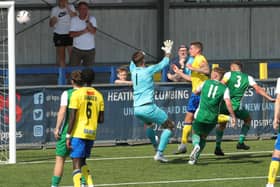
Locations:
{"points": [[134, 166]]}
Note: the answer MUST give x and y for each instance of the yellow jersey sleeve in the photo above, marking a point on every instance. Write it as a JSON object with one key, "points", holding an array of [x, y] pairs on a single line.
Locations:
{"points": [[198, 78]]}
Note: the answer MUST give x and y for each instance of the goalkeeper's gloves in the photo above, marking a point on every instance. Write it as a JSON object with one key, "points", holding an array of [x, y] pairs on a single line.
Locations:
{"points": [[167, 46]]}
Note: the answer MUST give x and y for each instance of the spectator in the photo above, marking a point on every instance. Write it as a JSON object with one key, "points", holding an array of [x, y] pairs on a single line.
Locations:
{"points": [[181, 62], [60, 21], [83, 30], [122, 75]]}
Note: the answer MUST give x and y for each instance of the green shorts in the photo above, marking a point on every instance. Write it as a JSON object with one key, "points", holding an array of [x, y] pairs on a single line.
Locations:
{"points": [[239, 113], [61, 149], [201, 128]]}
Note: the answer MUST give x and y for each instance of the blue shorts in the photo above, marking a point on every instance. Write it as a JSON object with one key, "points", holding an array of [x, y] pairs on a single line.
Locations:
{"points": [[150, 113], [277, 143], [81, 148], [193, 103]]}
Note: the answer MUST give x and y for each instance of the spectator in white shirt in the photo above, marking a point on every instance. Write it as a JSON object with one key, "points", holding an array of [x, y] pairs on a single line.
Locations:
{"points": [[60, 21], [83, 29]]}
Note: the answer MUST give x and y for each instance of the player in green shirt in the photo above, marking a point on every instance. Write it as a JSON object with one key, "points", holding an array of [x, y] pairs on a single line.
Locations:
{"points": [[237, 82], [212, 93]]}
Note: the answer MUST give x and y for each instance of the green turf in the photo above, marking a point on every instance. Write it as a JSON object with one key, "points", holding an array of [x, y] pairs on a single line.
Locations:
{"points": [[34, 167]]}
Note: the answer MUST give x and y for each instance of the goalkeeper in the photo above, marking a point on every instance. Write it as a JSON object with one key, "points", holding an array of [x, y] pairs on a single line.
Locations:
{"points": [[143, 94]]}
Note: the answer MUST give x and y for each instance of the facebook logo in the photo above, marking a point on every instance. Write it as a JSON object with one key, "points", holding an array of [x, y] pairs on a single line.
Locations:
{"points": [[38, 114], [38, 98], [38, 130]]}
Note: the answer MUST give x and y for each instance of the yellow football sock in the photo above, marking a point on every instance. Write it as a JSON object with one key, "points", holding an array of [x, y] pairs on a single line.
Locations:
{"points": [[185, 134], [77, 178], [87, 175], [223, 118], [273, 170]]}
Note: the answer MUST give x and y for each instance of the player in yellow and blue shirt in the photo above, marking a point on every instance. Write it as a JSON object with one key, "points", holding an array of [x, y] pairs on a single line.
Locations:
{"points": [[143, 96], [61, 128], [199, 73], [275, 160], [86, 111]]}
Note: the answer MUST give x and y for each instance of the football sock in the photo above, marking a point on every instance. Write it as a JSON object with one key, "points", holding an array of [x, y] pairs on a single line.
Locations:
{"points": [[195, 139], [56, 180], [186, 131], [164, 139], [201, 145], [244, 130], [87, 175], [77, 178], [150, 133], [219, 137], [273, 170]]}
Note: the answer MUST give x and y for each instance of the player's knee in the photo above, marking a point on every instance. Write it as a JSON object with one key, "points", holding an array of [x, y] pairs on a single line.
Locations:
{"points": [[168, 124]]}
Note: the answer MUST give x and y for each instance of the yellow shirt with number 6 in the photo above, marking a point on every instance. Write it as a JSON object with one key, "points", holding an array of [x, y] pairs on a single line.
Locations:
{"points": [[88, 102]]}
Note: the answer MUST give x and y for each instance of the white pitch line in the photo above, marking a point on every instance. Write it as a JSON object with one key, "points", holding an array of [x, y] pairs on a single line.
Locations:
{"points": [[147, 157], [180, 181]]}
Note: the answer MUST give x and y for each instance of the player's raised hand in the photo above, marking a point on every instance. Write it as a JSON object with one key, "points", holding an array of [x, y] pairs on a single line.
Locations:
{"points": [[167, 48]]}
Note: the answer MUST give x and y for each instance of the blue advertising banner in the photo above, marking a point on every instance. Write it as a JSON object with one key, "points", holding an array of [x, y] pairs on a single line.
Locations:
{"points": [[37, 111]]}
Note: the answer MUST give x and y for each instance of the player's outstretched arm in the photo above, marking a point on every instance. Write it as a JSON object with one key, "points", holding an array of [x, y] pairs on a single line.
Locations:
{"points": [[262, 92]]}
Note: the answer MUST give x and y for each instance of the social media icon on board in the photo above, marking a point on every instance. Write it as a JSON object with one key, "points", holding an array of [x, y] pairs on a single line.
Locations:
{"points": [[38, 98], [38, 114], [38, 130]]}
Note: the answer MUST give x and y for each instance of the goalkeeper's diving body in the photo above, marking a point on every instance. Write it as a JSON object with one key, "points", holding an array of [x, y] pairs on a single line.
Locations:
{"points": [[143, 95]]}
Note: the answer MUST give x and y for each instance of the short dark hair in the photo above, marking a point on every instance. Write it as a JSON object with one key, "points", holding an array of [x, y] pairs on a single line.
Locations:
{"points": [[182, 46], [220, 71], [88, 76], [198, 45], [238, 63], [76, 77], [137, 57]]}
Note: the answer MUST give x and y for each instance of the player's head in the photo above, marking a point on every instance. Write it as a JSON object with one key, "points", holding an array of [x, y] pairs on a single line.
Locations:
{"points": [[88, 76], [138, 58], [196, 48], [236, 66], [217, 73], [122, 73], [182, 51], [76, 78]]}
